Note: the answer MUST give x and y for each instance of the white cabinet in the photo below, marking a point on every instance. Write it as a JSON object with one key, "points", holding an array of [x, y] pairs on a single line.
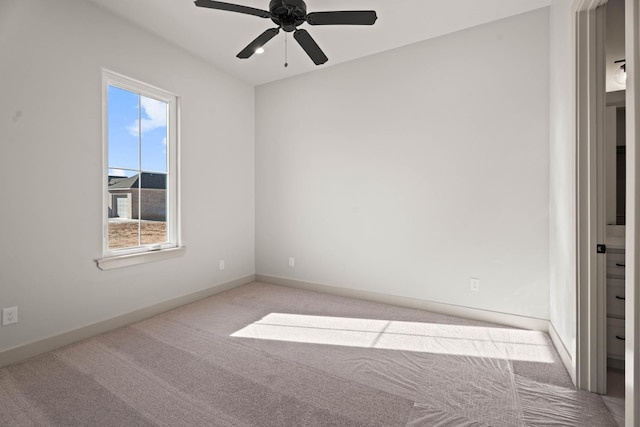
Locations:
{"points": [[615, 304], [615, 338]]}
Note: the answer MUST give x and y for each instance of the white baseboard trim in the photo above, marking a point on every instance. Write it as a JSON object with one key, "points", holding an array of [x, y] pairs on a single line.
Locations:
{"points": [[506, 319], [565, 356], [26, 351]]}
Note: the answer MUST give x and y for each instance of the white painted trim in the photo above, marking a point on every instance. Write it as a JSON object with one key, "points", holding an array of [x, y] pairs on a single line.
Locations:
{"points": [[590, 121], [585, 5], [564, 354], [632, 261], [25, 351], [506, 319], [600, 217], [128, 260]]}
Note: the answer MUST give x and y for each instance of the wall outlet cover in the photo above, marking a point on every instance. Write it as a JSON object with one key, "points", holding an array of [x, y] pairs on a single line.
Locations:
{"points": [[9, 316]]}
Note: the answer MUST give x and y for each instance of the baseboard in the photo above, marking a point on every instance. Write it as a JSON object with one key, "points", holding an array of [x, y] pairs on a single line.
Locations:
{"points": [[565, 356], [523, 322], [26, 351]]}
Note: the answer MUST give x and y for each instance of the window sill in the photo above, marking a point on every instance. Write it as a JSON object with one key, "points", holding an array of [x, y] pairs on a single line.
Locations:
{"points": [[119, 261]]}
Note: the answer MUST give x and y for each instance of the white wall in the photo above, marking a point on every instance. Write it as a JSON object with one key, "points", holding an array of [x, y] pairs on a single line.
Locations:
{"points": [[51, 55], [410, 171], [562, 196]]}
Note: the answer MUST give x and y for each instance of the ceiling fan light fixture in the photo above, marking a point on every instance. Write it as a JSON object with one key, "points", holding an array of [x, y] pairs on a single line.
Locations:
{"points": [[260, 50], [620, 75]]}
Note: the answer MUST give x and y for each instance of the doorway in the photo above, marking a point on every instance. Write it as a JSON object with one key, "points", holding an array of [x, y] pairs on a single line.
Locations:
{"points": [[591, 354]]}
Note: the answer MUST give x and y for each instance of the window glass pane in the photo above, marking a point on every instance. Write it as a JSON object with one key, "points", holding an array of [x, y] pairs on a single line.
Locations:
{"points": [[154, 134], [153, 208], [122, 128], [117, 175], [123, 215]]}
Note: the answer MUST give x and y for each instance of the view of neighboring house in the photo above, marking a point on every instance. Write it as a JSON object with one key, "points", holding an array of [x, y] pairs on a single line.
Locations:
{"points": [[132, 198]]}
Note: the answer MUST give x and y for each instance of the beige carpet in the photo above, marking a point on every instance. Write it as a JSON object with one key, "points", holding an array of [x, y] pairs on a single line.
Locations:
{"points": [[265, 355]]}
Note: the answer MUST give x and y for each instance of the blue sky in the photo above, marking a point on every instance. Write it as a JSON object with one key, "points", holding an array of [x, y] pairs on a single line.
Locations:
{"points": [[128, 131]]}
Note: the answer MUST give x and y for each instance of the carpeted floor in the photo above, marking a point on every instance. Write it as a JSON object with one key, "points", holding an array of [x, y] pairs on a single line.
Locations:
{"points": [[265, 355]]}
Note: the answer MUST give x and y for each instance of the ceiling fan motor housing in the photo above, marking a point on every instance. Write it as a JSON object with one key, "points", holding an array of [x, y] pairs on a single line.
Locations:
{"points": [[288, 14]]}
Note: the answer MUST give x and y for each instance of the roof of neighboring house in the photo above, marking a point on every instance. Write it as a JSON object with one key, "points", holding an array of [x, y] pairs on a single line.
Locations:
{"points": [[149, 180]]}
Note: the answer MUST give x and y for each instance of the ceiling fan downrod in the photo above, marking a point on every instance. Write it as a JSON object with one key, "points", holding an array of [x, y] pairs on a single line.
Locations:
{"points": [[286, 63]]}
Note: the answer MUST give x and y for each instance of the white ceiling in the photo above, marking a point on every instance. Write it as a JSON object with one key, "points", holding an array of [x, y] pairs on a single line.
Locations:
{"points": [[217, 36]]}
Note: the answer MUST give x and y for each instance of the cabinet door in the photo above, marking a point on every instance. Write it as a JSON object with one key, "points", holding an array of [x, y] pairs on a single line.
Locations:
{"points": [[615, 265], [615, 338], [615, 297]]}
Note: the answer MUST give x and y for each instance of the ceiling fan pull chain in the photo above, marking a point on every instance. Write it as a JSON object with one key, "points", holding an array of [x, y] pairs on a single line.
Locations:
{"points": [[286, 62]]}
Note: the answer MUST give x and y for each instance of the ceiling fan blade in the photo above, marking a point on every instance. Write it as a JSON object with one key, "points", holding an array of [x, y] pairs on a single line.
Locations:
{"points": [[233, 8], [260, 41], [310, 46], [347, 17]]}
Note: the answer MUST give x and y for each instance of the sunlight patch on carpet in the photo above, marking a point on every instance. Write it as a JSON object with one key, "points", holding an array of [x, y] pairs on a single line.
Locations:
{"points": [[474, 341]]}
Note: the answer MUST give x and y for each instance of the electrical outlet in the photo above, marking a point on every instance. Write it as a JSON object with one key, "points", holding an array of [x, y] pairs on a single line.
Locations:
{"points": [[475, 284], [221, 264], [9, 316], [292, 262]]}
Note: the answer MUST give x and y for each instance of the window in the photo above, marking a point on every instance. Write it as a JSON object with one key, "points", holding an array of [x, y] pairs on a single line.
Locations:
{"points": [[140, 169]]}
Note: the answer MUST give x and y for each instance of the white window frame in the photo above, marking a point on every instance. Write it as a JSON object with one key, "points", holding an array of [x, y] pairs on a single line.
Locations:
{"points": [[114, 258]]}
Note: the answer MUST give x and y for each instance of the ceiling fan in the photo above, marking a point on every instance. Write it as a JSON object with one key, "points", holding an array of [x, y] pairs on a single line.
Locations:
{"points": [[288, 15]]}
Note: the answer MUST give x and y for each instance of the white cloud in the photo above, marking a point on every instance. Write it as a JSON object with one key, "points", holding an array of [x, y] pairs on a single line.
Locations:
{"points": [[156, 116], [117, 172]]}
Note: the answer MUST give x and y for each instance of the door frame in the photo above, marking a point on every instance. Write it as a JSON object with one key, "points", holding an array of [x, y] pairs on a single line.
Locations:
{"points": [[632, 261], [590, 104], [589, 125]]}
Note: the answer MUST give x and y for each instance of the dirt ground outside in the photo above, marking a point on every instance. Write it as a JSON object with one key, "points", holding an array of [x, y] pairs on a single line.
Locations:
{"points": [[125, 234]]}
